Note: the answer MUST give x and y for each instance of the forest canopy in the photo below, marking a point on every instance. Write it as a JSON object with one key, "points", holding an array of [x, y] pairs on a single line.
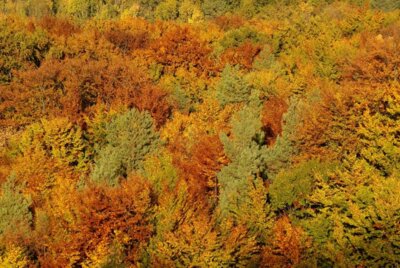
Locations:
{"points": [[199, 133]]}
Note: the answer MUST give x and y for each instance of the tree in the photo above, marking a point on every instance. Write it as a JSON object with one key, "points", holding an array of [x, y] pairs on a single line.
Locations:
{"points": [[181, 48], [113, 216], [199, 164], [81, 9], [209, 118], [377, 135], [291, 187], [167, 10], [160, 171], [190, 11], [19, 48], [246, 151], [15, 209], [39, 9], [129, 138], [147, 8], [386, 5], [218, 7], [50, 152], [287, 246], [350, 218], [282, 153], [243, 56], [239, 35], [272, 118], [58, 26], [187, 235], [14, 257], [232, 88], [248, 8], [100, 223], [39, 89], [60, 140]]}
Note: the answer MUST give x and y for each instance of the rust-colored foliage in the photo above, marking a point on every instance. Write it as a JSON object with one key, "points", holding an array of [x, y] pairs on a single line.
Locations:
{"points": [[328, 82], [114, 214], [325, 124], [329, 126], [200, 164], [73, 86], [127, 41], [40, 174], [5, 159], [180, 47], [5, 168], [100, 214], [33, 94], [272, 113], [243, 55], [287, 245], [379, 61], [154, 100], [229, 22], [112, 83], [208, 159], [58, 26]]}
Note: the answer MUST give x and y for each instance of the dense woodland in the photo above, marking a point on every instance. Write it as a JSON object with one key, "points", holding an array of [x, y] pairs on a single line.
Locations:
{"points": [[199, 133]]}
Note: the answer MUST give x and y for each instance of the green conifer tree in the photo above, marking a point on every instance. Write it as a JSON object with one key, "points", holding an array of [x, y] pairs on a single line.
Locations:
{"points": [[246, 150], [129, 138], [15, 211], [232, 88]]}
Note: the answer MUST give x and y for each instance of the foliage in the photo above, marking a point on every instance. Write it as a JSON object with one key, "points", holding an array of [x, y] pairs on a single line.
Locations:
{"points": [[129, 138], [385, 5], [246, 153], [219, 7], [199, 133], [287, 247], [15, 208], [232, 88], [14, 257], [289, 188], [167, 10], [60, 140], [20, 48]]}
